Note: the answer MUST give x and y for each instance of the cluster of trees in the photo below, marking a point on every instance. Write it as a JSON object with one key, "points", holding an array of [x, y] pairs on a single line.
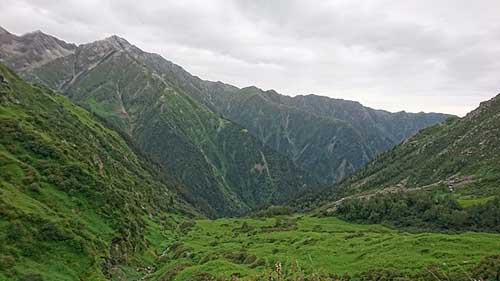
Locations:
{"points": [[434, 211]]}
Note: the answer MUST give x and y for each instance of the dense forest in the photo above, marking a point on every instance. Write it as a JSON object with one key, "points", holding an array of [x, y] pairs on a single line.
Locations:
{"points": [[422, 211]]}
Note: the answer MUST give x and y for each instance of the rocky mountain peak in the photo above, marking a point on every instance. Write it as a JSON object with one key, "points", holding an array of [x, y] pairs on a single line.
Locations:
{"points": [[105, 46], [37, 32], [31, 50], [118, 41], [49, 41], [37, 35]]}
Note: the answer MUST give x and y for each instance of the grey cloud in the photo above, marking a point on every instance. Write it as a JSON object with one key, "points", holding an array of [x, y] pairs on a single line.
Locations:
{"points": [[397, 55]]}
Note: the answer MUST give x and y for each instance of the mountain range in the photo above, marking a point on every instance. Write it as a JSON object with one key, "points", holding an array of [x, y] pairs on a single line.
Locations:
{"points": [[234, 149]]}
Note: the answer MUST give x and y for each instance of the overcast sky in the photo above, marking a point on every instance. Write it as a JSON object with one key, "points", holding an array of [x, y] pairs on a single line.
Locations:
{"points": [[437, 55]]}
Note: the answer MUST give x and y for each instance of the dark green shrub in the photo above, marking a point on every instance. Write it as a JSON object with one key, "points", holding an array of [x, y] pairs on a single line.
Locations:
{"points": [[250, 259], [259, 262], [180, 250], [236, 257], [186, 226], [16, 231], [7, 262], [170, 274], [48, 231]]}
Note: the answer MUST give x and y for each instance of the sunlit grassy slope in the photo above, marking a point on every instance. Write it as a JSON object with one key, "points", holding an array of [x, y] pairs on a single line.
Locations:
{"points": [[250, 248], [76, 202]]}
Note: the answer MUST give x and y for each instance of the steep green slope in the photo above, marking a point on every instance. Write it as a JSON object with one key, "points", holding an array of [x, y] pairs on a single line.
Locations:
{"points": [[76, 202], [227, 170], [330, 148], [445, 178], [331, 138]]}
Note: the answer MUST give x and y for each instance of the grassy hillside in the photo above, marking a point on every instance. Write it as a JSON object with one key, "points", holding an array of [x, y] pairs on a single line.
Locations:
{"points": [[320, 247], [445, 178], [76, 202], [462, 154], [459, 155]]}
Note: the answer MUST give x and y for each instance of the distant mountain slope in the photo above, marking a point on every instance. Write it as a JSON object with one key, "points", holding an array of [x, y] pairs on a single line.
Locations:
{"points": [[328, 147], [375, 125], [461, 155], [331, 138], [76, 201], [227, 170]]}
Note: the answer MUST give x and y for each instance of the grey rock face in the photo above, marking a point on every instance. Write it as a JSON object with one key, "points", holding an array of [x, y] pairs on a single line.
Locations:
{"points": [[31, 50]]}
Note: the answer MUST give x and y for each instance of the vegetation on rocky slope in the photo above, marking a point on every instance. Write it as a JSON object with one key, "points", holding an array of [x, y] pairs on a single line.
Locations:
{"points": [[331, 138], [76, 201]]}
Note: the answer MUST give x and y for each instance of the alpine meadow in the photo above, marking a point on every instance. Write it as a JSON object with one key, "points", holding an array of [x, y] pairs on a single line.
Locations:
{"points": [[119, 164]]}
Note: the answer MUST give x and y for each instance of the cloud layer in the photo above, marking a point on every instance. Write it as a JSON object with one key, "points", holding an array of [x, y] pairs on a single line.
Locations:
{"points": [[396, 55]]}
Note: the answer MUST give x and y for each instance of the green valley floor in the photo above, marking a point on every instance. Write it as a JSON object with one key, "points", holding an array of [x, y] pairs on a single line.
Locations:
{"points": [[250, 249]]}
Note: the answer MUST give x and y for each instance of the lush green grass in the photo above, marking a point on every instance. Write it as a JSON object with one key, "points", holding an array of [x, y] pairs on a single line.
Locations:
{"points": [[76, 201], [251, 247]]}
